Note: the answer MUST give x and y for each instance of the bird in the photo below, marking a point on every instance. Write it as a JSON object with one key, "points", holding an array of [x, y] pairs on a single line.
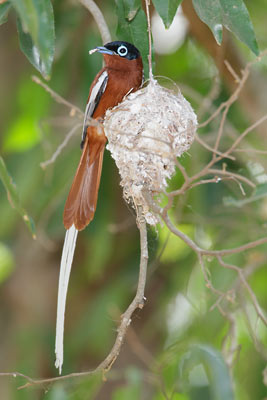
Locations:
{"points": [[121, 75]]}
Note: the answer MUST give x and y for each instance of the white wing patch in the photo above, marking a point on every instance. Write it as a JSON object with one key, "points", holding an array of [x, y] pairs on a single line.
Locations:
{"points": [[93, 101]]}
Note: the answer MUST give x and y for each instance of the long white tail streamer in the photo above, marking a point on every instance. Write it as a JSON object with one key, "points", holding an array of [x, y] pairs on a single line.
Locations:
{"points": [[64, 275]]}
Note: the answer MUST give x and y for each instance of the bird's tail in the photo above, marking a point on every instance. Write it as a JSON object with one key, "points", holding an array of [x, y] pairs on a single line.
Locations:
{"points": [[65, 268], [81, 202], [79, 211]]}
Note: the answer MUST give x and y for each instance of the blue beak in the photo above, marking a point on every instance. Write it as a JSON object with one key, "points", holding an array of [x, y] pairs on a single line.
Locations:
{"points": [[103, 50]]}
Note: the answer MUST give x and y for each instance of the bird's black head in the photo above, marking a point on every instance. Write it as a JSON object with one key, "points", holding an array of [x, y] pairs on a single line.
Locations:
{"points": [[122, 49]]}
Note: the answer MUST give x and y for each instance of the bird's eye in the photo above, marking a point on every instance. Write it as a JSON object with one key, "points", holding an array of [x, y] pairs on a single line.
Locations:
{"points": [[122, 50]]}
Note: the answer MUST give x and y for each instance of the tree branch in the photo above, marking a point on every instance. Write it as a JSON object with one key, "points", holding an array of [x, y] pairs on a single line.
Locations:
{"points": [[99, 19], [138, 302]]}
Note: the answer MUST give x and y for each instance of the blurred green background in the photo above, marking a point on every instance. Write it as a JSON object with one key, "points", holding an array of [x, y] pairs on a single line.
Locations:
{"points": [[176, 348]]}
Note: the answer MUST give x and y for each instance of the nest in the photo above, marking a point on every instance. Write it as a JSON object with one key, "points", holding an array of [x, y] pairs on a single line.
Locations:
{"points": [[146, 132]]}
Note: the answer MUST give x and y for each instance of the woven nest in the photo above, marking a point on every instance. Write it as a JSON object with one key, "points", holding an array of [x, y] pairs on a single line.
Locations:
{"points": [[146, 132]]}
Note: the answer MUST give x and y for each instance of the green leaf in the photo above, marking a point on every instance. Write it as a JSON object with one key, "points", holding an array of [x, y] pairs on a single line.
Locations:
{"points": [[259, 193], [236, 18], [7, 262], [167, 10], [24, 131], [174, 247], [215, 368], [210, 12], [134, 31], [232, 14], [4, 10], [261, 190], [130, 8], [13, 196], [36, 32], [23, 134]]}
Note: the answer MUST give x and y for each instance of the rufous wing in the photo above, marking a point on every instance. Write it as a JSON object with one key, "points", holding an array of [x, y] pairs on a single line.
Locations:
{"points": [[81, 202]]}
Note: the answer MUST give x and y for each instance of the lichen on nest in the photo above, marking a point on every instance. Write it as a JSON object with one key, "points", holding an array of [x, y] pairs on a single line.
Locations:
{"points": [[146, 132]]}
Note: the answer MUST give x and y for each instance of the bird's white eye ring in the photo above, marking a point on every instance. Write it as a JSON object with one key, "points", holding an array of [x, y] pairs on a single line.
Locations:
{"points": [[122, 50]]}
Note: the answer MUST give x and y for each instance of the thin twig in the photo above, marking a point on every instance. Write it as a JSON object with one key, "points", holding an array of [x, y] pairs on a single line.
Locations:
{"points": [[206, 146], [74, 109], [246, 285], [232, 351], [232, 174], [216, 179], [246, 131], [232, 71], [256, 151], [182, 169], [221, 129], [60, 147], [209, 284], [149, 41], [259, 346], [99, 19], [207, 101], [159, 211], [233, 97], [217, 253]]}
